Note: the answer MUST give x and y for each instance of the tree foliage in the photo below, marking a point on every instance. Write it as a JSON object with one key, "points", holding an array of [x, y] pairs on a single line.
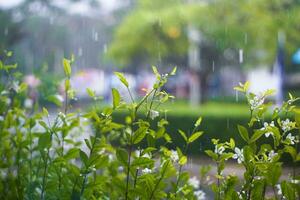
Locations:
{"points": [[154, 28]]}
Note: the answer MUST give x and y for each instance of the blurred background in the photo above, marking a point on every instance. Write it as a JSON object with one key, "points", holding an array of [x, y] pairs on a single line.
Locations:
{"points": [[215, 44]]}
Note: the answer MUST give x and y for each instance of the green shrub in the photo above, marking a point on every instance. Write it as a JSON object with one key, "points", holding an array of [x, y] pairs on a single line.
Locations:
{"points": [[42, 158]]}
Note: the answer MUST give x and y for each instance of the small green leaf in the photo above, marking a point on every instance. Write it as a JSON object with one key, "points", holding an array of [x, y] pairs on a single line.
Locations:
{"points": [[232, 143], [44, 141], [84, 158], [67, 67], [122, 78], [173, 72], [243, 132], [183, 135], [122, 156], [211, 154], [257, 134], [195, 136], [142, 162], [88, 144], [182, 160], [90, 92], [292, 151], [116, 98], [45, 112], [71, 154], [139, 135], [198, 122], [155, 71]]}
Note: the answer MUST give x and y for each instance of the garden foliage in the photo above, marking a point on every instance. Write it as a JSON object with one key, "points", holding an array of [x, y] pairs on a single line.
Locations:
{"points": [[43, 157]]}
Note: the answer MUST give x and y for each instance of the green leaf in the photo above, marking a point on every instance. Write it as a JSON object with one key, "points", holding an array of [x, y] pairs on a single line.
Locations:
{"points": [[90, 92], [183, 135], [139, 135], [84, 158], [71, 154], [88, 144], [67, 67], [195, 136], [44, 141], [54, 99], [273, 173], [243, 132], [122, 78], [211, 154], [122, 156], [45, 112], [116, 98], [173, 72], [232, 143], [182, 160], [292, 151], [257, 134], [198, 122], [155, 71], [142, 162]]}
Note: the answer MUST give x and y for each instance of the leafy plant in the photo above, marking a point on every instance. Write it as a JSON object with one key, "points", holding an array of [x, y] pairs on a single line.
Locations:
{"points": [[71, 155], [263, 168], [42, 159]]}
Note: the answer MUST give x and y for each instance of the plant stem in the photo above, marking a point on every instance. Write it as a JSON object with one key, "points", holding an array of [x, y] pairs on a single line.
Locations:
{"points": [[128, 171], [85, 175], [151, 103], [162, 176]]}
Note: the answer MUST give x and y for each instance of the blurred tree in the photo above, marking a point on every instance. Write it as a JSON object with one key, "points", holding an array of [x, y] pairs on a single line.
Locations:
{"points": [[152, 31], [10, 32], [157, 29]]}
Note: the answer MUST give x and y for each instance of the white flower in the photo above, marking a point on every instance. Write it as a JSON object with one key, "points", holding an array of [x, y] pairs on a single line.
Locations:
{"points": [[194, 182], [256, 102], [291, 138], [268, 134], [146, 171], [28, 103], [200, 195], [219, 150], [286, 125], [154, 114], [279, 192], [239, 155], [174, 156], [271, 155], [266, 125]]}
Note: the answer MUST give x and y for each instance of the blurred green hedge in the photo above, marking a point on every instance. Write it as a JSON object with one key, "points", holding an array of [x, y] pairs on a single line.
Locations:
{"points": [[219, 127]]}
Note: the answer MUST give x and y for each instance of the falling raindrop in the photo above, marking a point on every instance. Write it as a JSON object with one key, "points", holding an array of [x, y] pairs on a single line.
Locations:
{"points": [[105, 48], [236, 96], [6, 31], [241, 55], [246, 38], [213, 66], [96, 38], [80, 51]]}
